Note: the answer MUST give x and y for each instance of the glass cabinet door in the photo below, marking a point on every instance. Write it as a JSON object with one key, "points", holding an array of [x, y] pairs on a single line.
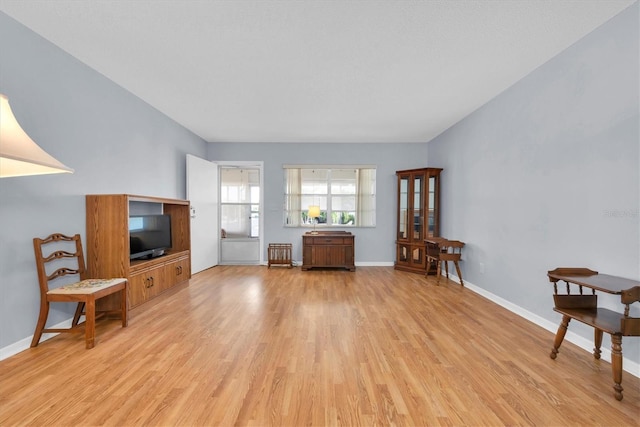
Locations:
{"points": [[433, 226], [418, 217], [403, 208]]}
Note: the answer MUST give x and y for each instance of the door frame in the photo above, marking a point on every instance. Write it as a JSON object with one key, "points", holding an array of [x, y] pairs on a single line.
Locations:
{"points": [[248, 165]]}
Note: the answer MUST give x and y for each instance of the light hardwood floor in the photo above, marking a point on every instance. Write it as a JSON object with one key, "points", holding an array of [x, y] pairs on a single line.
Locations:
{"points": [[257, 346]]}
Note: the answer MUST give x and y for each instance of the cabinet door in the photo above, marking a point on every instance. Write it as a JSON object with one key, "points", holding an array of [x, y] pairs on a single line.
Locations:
{"points": [[175, 272], [403, 207], [145, 285], [417, 218], [412, 256], [411, 207], [137, 289], [320, 255], [307, 254], [329, 255], [433, 223], [336, 256]]}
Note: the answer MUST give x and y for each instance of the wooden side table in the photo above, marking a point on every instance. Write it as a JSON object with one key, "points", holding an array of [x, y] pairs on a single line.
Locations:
{"points": [[441, 250], [584, 308]]}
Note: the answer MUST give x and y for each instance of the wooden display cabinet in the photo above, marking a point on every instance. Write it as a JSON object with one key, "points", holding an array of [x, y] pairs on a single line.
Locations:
{"points": [[418, 216], [108, 245]]}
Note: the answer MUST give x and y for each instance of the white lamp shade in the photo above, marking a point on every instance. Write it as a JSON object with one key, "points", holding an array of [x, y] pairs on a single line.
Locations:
{"points": [[19, 155], [314, 211]]}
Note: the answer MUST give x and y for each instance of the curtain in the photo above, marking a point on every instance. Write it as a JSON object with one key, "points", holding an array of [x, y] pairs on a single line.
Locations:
{"points": [[293, 196], [366, 198]]}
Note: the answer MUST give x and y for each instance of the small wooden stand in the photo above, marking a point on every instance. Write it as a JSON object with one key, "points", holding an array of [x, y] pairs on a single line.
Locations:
{"points": [[280, 254], [584, 308]]}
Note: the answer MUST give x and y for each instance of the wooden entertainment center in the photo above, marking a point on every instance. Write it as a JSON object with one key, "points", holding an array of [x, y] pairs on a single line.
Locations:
{"points": [[108, 245]]}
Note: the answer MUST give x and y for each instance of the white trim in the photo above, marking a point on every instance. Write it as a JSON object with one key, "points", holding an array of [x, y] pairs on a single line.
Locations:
{"points": [[374, 264], [332, 166], [357, 264], [25, 343]]}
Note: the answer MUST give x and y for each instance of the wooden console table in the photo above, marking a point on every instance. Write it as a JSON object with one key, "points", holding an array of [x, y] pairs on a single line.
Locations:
{"points": [[441, 251], [328, 249], [584, 308]]}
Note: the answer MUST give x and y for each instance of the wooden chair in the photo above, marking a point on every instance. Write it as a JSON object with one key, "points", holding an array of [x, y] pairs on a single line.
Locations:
{"points": [[441, 250], [85, 292]]}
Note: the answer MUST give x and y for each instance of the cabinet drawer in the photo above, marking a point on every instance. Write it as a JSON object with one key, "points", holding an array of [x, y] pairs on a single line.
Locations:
{"points": [[328, 241]]}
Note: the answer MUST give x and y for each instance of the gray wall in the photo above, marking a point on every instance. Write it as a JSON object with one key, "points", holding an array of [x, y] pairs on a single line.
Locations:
{"points": [[546, 175], [372, 245], [115, 142]]}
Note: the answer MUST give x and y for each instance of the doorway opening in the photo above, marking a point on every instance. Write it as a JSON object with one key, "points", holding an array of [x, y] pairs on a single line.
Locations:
{"points": [[240, 214]]}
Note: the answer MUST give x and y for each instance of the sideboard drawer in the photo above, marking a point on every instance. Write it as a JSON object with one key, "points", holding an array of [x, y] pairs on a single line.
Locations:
{"points": [[329, 241]]}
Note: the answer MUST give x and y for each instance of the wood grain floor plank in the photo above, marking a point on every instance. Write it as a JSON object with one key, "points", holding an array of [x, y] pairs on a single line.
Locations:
{"points": [[251, 346]]}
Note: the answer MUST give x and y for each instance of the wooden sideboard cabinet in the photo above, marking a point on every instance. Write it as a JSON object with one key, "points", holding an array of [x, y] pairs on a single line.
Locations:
{"points": [[328, 249], [108, 245]]}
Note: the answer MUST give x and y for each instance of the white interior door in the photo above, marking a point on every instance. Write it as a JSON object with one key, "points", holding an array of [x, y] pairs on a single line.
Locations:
{"points": [[202, 192]]}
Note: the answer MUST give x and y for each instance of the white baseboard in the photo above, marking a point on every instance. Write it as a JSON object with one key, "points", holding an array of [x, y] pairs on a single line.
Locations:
{"points": [[629, 366], [25, 343], [357, 264], [374, 264]]}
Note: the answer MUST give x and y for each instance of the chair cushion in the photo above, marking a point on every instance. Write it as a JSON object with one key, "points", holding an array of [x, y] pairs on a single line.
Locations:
{"points": [[87, 286]]}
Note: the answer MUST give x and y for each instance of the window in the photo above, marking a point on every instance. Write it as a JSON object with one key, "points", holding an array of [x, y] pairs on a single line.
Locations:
{"points": [[346, 195], [240, 202]]}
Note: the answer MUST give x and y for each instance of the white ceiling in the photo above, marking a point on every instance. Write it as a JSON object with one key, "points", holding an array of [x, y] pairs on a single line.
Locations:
{"points": [[314, 71]]}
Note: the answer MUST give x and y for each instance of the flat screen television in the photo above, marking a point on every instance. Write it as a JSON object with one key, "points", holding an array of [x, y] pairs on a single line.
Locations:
{"points": [[149, 235]]}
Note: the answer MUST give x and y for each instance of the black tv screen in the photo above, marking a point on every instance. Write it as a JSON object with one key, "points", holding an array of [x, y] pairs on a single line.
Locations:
{"points": [[149, 235]]}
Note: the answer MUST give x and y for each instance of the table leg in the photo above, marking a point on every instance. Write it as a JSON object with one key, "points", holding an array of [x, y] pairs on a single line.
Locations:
{"points": [[616, 364], [562, 330], [597, 339], [90, 322], [458, 271]]}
